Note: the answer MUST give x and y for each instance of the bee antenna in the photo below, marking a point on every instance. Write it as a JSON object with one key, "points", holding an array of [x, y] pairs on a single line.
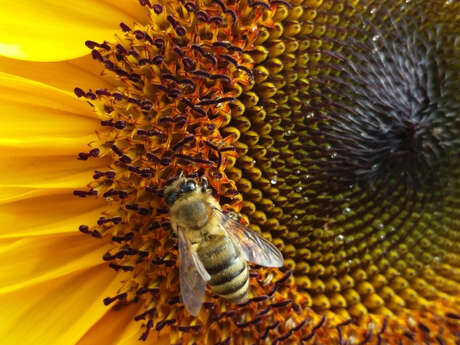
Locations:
{"points": [[204, 183]]}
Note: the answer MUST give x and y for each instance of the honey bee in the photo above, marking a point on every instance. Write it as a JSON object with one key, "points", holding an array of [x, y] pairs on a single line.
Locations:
{"points": [[214, 247]]}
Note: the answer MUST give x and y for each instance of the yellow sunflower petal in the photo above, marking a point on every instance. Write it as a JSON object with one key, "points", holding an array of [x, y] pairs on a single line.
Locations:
{"points": [[32, 109], [130, 9], [55, 30], [118, 328], [13, 194], [57, 311], [47, 214], [112, 327], [45, 146], [84, 71], [34, 171], [38, 259], [41, 126], [10, 194], [131, 337]]}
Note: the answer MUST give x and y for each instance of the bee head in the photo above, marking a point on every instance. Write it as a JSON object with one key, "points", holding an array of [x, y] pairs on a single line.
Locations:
{"points": [[183, 186]]}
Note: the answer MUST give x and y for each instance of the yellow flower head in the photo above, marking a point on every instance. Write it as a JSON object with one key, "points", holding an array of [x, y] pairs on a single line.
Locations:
{"points": [[332, 126]]}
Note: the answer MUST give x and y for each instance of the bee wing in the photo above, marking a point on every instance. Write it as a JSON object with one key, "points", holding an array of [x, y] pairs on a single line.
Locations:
{"points": [[253, 246], [193, 276]]}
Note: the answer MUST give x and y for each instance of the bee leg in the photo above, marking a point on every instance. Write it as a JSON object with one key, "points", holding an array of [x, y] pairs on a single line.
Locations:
{"points": [[233, 215], [174, 227]]}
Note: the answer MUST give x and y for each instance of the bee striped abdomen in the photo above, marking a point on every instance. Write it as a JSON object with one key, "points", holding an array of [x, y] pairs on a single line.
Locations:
{"points": [[229, 272]]}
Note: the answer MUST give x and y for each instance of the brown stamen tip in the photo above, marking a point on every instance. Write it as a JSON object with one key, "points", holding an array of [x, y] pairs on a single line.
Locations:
{"points": [[281, 304], [148, 327], [125, 238], [125, 268], [124, 27], [96, 55], [453, 316], [187, 329], [110, 300], [91, 44], [83, 156], [79, 92], [84, 229], [269, 328], [164, 323], [157, 8], [84, 193], [145, 3], [367, 337], [150, 313]]}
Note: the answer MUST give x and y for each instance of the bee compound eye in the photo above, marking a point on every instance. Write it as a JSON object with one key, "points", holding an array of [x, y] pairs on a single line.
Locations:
{"points": [[188, 186], [171, 198]]}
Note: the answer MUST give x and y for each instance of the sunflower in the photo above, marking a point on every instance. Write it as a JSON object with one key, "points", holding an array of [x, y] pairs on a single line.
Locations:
{"points": [[332, 126]]}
